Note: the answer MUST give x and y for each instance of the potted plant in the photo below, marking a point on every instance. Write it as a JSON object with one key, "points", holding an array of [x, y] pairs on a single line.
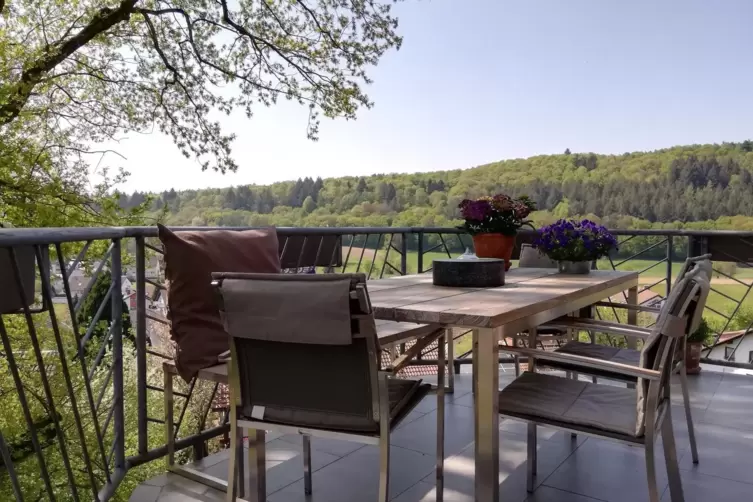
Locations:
{"points": [[694, 345], [493, 222], [574, 245]]}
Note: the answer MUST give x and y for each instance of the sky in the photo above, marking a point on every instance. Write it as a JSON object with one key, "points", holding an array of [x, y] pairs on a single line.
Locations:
{"points": [[477, 81]]}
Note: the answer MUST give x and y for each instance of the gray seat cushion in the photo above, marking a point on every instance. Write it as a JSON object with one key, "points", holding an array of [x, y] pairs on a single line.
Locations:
{"points": [[601, 352], [536, 396]]}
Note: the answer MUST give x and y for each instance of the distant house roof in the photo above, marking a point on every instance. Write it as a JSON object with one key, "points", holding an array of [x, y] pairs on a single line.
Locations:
{"points": [[728, 336]]}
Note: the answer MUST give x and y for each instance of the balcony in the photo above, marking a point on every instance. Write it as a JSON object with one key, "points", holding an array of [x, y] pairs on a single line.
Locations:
{"points": [[584, 470], [83, 398]]}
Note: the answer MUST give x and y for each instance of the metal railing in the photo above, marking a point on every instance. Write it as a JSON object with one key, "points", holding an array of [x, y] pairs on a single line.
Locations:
{"points": [[81, 402]]}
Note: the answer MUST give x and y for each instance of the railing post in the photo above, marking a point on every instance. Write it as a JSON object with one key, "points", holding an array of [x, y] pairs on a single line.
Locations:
{"points": [[420, 252], [141, 343], [698, 245], [404, 253], [670, 257], [117, 356]]}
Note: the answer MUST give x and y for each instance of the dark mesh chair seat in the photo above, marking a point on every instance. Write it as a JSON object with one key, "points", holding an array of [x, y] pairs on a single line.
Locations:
{"points": [[404, 395]]}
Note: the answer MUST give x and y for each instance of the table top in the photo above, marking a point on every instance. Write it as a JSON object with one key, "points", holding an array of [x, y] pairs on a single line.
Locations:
{"points": [[538, 293]]}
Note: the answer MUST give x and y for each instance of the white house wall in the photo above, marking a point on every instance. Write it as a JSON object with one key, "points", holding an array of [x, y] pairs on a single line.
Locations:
{"points": [[742, 353]]}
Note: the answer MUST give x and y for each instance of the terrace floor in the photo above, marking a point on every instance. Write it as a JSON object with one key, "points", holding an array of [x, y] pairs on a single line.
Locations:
{"points": [[588, 470]]}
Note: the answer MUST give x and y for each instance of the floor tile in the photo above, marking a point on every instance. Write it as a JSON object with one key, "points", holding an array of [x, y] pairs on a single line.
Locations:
{"points": [[548, 494], [723, 452], [609, 471], [335, 447], [145, 493], [699, 487], [420, 435], [284, 464], [356, 477], [460, 468]]}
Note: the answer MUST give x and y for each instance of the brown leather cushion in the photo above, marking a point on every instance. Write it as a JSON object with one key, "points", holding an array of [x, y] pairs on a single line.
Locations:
{"points": [[190, 259]]}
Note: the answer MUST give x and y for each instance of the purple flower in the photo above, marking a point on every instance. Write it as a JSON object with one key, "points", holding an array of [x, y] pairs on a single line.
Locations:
{"points": [[498, 214], [567, 240]]}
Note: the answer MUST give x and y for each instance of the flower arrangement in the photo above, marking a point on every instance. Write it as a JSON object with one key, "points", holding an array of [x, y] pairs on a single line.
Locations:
{"points": [[500, 214], [575, 241]]}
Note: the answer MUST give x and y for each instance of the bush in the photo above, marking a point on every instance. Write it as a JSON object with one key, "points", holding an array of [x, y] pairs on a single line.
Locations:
{"points": [[702, 334]]}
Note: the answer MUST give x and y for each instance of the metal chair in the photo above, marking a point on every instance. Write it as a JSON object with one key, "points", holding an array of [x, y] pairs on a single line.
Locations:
{"points": [[630, 415], [530, 257], [700, 265], [305, 360]]}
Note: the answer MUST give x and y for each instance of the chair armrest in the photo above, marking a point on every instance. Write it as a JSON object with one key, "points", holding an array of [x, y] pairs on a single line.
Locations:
{"points": [[415, 350], [614, 328], [585, 362], [628, 306]]}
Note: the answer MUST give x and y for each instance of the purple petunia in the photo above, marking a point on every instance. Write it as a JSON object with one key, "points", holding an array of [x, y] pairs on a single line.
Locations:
{"points": [[567, 240], [498, 214]]}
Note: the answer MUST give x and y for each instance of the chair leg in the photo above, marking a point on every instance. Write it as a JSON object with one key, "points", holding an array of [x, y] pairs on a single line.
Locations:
{"points": [[450, 361], [384, 440], [688, 415], [653, 487], [441, 370], [531, 461], [232, 465], [571, 375], [257, 468], [516, 358], [670, 457], [307, 464]]}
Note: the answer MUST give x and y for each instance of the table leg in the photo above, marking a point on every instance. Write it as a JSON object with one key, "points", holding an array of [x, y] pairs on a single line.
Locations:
{"points": [[487, 405], [632, 315]]}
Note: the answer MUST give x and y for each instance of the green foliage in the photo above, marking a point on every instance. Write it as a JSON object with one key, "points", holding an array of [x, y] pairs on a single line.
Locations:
{"points": [[92, 304], [690, 187], [73, 73], [703, 334], [743, 319]]}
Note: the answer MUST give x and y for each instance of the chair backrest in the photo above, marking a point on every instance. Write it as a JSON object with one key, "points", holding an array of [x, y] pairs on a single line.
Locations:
{"points": [[686, 301], [703, 264], [702, 261], [530, 257], [303, 349]]}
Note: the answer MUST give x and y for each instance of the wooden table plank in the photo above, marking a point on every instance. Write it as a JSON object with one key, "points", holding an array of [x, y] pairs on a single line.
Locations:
{"points": [[526, 292]]}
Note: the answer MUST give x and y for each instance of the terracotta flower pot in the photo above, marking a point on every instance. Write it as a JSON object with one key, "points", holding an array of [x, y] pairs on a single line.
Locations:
{"points": [[495, 246], [693, 357]]}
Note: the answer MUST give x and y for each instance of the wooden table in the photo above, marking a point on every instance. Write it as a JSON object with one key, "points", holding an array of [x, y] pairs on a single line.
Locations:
{"points": [[529, 298]]}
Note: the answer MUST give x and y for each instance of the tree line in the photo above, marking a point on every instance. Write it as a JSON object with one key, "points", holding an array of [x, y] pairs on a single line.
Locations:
{"points": [[678, 186]]}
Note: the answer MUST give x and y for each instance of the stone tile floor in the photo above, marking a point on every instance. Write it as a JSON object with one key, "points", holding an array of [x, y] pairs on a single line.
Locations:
{"points": [[586, 470]]}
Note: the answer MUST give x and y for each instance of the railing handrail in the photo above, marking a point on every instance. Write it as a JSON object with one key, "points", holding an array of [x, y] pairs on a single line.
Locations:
{"points": [[51, 235]]}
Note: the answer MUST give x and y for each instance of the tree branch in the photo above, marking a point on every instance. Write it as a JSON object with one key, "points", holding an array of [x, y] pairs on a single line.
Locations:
{"points": [[56, 54]]}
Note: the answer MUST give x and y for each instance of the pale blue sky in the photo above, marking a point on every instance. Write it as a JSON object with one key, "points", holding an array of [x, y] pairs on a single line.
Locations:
{"points": [[482, 80]]}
